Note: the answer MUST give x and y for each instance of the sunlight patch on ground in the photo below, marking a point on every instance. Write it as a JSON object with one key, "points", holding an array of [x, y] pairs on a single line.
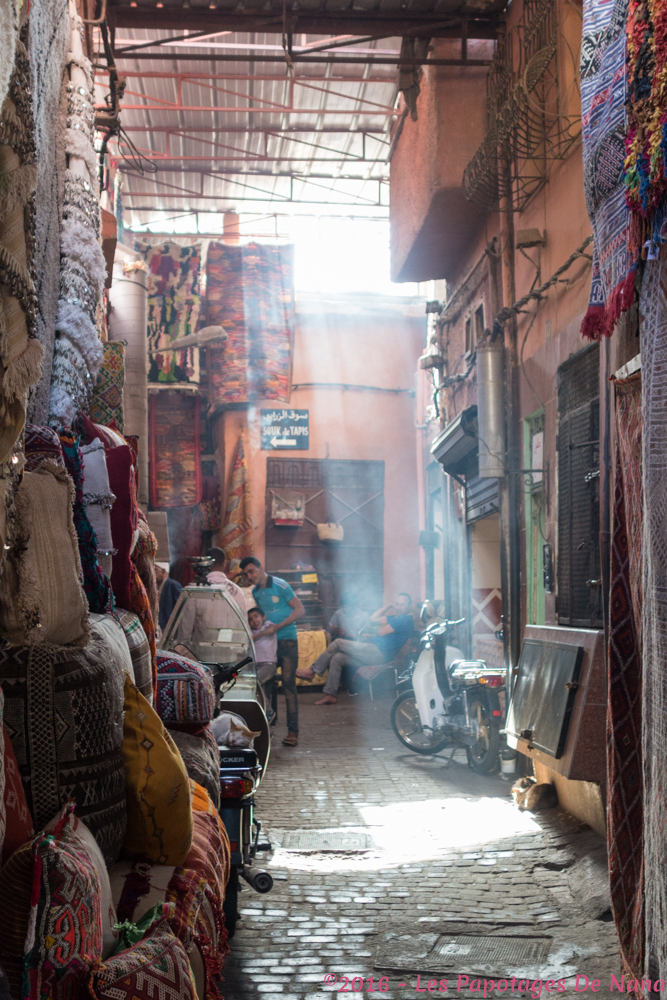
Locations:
{"points": [[408, 832]]}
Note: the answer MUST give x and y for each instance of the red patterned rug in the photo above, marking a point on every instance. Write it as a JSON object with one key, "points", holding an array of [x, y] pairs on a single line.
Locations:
{"points": [[175, 467], [625, 827], [250, 292]]}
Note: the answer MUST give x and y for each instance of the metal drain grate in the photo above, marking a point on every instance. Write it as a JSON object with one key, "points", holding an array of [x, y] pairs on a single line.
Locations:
{"points": [[322, 840], [505, 951], [495, 955]]}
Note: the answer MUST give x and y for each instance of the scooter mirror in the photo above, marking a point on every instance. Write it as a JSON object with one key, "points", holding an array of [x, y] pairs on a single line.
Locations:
{"points": [[428, 611]]}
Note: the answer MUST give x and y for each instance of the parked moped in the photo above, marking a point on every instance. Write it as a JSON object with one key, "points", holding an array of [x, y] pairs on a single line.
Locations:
{"points": [[446, 701]]}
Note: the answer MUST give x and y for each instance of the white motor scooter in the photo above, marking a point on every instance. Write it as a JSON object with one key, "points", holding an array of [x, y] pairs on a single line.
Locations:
{"points": [[447, 701]]}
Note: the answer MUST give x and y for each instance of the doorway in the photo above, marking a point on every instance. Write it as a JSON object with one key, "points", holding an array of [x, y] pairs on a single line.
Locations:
{"points": [[347, 492]]}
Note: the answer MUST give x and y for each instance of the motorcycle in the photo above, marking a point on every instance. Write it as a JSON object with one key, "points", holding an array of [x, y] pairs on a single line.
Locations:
{"points": [[447, 701], [208, 626]]}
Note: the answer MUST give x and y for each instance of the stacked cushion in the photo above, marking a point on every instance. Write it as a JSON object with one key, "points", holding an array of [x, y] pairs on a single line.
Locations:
{"points": [[139, 651], [157, 966], [159, 805], [202, 759], [196, 889], [41, 598], [61, 916], [19, 828], [98, 497], [185, 691], [41, 443], [63, 713]]}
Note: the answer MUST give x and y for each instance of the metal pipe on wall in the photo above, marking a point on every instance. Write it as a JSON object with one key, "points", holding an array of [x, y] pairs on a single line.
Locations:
{"points": [[491, 409], [127, 321]]}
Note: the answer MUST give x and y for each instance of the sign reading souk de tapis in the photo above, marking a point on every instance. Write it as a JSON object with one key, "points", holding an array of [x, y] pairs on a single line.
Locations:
{"points": [[285, 430]]}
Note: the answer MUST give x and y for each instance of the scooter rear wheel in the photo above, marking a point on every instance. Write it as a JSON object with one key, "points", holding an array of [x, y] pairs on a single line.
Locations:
{"points": [[484, 756], [405, 723]]}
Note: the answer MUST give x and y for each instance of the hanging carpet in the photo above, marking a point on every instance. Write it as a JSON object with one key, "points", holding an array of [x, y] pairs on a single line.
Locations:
{"points": [[653, 327], [624, 719], [250, 293], [603, 79], [173, 310], [646, 154], [107, 405], [236, 538], [175, 467]]}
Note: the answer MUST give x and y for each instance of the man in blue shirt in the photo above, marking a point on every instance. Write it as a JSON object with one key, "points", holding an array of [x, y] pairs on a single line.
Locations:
{"points": [[282, 608], [395, 626]]}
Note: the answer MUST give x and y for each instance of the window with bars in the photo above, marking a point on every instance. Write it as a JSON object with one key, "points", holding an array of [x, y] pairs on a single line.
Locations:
{"points": [[579, 602]]}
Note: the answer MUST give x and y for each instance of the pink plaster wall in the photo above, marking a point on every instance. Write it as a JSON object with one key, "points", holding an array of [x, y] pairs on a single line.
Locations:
{"points": [[359, 340]]}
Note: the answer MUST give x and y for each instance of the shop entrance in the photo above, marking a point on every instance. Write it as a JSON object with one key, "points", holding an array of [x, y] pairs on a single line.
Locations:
{"points": [[345, 492]]}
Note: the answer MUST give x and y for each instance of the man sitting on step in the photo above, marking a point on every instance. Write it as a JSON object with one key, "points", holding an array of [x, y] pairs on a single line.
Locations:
{"points": [[395, 627]]}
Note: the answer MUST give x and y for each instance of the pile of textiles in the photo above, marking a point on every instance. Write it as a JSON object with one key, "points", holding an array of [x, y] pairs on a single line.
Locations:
{"points": [[78, 349], [130, 851], [90, 777], [20, 352], [250, 293]]}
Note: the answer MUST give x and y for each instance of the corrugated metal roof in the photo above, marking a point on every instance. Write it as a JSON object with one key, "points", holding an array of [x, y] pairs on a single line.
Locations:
{"points": [[223, 135], [223, 122]]}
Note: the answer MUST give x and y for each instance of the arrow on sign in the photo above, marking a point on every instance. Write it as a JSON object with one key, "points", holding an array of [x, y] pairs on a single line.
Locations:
{"points": [[283, 442]]}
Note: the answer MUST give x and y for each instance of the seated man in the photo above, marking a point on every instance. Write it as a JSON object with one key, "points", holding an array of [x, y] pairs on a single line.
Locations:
{"points": [[394, 629], [349, 620]]}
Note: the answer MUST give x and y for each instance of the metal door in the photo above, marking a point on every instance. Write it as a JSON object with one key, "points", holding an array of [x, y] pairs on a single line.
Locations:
{"points": [[348, 492]]}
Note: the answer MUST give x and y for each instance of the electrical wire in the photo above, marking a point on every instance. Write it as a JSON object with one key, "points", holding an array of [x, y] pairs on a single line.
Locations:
{"points": [[135, 161]]}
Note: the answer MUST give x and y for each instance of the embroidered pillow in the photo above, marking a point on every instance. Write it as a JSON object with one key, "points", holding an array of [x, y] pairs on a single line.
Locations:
{"points": [[41, 443], [64, 716], [54, 928], [157, 966], [159, 804], [41, 598], [185, 691], [19, 828]]}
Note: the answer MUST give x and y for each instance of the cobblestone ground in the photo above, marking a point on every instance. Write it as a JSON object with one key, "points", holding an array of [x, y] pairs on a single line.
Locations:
{"points": [[449, 855]]}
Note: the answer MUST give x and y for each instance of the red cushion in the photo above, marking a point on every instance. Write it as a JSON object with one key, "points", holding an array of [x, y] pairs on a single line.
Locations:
{"points": [[19, 821], [123, 521]]}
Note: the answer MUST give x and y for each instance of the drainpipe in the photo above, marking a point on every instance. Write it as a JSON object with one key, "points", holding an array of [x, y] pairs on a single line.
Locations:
{"points": [[510, 506]]}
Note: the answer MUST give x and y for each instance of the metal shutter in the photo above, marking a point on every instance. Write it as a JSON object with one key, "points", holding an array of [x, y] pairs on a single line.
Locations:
{"points": [[579, 591]]}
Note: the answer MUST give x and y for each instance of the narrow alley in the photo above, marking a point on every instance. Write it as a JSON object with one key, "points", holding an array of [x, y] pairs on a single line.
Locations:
{"points": [[431, 855]]}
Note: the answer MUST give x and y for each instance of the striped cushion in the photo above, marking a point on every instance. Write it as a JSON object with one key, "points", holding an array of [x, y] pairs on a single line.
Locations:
{"points": [[185, 691]]}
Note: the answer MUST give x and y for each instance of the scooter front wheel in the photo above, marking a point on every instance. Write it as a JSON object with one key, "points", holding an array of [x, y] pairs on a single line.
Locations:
{"points": [[405, 723]]}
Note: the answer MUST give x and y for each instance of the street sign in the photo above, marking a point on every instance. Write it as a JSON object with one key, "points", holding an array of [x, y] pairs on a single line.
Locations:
{"points": [[285, 430]]}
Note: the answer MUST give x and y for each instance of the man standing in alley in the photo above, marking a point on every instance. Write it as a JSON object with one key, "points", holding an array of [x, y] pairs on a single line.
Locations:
{"points": [[282, 608], [394, 627], [168, 591]]}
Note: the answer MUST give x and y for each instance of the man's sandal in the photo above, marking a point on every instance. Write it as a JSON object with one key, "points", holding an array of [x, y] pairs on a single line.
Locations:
{"points": [[291, 740]]}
